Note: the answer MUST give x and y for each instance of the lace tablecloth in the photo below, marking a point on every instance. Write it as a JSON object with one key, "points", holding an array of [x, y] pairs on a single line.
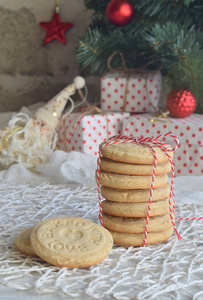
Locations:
{"points": [[169, 270]]}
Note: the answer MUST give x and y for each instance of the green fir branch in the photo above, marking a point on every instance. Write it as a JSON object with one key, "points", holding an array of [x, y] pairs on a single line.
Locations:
{"points": [[167, 32], [97, 6]]}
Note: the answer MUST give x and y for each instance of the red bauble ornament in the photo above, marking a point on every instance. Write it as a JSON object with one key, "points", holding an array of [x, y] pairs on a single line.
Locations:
{"points": [[181, 103], [120, 12], [55, 29]]}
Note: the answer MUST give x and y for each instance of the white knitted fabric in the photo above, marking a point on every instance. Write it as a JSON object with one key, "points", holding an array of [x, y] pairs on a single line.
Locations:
{"points": [[169, 270]]}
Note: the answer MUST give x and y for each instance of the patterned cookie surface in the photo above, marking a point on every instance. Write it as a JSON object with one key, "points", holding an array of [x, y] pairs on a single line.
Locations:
{"points": [[23, 242], [121, 181], [124, 195], [71, 242], [133, 153], [138, 209], [113, 166], [136, 225], [136, 239]]}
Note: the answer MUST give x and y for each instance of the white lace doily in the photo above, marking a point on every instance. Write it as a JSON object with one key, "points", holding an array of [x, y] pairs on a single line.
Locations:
{"points": [[169, 270]]}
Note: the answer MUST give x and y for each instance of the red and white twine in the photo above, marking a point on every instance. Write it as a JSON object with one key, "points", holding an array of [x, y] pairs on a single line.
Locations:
{"points": [[149, 142]]}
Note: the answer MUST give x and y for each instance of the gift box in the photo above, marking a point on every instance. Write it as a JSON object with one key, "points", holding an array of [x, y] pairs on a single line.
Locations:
{"points": [[137, 93], [188, 157], [85, 132]]}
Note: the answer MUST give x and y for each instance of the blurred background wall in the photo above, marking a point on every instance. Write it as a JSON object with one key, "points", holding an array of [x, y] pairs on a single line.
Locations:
{"points": [[30, 71]]}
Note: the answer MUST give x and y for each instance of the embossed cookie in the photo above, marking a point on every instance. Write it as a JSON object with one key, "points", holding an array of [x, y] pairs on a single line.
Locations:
{"points": [[134, 153], [136, 239], [121, 195], [120, 181], [113, 166], [71, 242], [23, 242], [138, 209], [136, 225]]}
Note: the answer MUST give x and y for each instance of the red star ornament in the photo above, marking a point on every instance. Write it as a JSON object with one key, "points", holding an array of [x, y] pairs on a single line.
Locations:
{"points": [[55, 29]]}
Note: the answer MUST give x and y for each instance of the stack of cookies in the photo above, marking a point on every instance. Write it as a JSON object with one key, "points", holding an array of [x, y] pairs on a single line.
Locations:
{"points": [[126, 176]]}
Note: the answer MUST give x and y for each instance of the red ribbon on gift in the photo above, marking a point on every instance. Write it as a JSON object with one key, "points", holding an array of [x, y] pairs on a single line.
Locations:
{"points": [[149, 142]]}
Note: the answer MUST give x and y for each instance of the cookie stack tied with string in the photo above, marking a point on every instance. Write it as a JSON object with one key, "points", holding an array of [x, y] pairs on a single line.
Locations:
{"points": [[136, 191]]}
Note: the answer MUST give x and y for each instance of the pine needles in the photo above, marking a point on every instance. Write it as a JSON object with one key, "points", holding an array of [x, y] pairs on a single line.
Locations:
{"points": [[168, 32]]}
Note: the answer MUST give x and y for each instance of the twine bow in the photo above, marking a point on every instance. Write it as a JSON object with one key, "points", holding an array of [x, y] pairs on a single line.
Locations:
{"points": [[88, 109], [149, 142], [129, 71], [125, 69]]}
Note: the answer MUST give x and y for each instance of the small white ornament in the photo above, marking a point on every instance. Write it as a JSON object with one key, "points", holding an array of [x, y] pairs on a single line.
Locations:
{"points": [[79, 82]]}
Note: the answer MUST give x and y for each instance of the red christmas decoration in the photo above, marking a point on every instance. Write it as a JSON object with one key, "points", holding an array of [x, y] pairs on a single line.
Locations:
{"points": [[181, 103], [120, 12], [55, 29]]}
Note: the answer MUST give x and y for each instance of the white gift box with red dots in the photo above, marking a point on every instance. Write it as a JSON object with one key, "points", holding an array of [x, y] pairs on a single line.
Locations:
{"points": [[84, 133], [188, 157], [143, 92]]}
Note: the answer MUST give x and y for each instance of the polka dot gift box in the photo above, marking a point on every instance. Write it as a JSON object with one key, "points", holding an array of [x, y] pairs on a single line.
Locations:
{"points": [[84, 133], [139, 93], [189, 156]]}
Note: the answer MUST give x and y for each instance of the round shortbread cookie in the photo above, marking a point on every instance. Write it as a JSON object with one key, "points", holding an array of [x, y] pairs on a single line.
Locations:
{"points": [[120, 195], [113, 166], [71, 242], [120, 181], [136, 225], [23, 242], [137, 239], [125, 209], [134, 153]]}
